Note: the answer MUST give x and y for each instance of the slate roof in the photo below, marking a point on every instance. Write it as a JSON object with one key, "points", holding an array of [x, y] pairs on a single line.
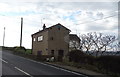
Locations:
{"points": [[46, 29], [74, 37]]}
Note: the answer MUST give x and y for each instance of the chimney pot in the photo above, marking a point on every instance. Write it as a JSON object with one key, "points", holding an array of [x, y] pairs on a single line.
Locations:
{"points": [[44, 27]]}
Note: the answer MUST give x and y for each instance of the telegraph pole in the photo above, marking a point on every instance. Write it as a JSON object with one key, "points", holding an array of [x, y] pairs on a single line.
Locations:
{"points": [[21, 32], [4, 37]]}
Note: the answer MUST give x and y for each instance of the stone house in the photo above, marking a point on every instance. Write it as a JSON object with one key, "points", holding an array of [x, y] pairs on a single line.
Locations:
{"points": [[52, 41]]}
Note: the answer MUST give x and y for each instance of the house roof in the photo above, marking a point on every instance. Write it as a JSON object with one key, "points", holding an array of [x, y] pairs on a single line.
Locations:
{"points": [[60, 25], [46, 29], [74, 37]]}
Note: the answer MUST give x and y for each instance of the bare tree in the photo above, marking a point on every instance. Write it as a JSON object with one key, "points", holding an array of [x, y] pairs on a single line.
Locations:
{"points": [[97, 42], [102, 42], [86, 42], [74, 45], [74, 42]]}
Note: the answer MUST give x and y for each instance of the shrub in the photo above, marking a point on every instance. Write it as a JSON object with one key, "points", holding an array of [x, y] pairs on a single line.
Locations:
{"points": [[20, 50], [79, 56], [110, 63]]}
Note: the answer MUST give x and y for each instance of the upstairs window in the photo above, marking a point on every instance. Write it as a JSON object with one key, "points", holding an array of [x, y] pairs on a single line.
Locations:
{"points": [[58, 26], [34, 39], [40, 38]]}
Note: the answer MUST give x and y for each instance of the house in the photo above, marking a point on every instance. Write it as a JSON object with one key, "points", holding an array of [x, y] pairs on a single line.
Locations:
{"points": [[74, 42], [51, 42]]}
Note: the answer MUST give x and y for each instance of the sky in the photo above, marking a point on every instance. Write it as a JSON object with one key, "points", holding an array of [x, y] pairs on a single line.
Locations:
{"points": [[80, 17]]}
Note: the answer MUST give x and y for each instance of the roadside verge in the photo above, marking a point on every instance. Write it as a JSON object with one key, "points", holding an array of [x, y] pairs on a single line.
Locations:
{"points": [[80, 70]]}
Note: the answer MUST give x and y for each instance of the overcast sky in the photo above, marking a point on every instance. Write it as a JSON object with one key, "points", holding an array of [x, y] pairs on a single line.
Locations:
{"points": [[79, 17]]}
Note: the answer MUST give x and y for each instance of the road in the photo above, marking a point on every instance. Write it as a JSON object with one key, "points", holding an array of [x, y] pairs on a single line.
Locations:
{"points": [[13, 65]]}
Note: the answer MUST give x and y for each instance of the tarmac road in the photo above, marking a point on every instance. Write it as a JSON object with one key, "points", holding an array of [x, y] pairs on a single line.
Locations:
{"points": [[13, 65]]}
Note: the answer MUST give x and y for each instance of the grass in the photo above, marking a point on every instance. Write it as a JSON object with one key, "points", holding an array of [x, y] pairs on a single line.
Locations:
{"points": [[88, 67], [78, 65], [17, 49], [28, 51]]}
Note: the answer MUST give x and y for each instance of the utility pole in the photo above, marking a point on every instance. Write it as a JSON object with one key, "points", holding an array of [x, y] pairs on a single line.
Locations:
{"points": [[21, 32], [4, 37]]}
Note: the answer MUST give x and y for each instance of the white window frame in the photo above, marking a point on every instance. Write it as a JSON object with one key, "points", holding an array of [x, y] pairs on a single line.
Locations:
{"points": [[34, 39], [40, 38]]}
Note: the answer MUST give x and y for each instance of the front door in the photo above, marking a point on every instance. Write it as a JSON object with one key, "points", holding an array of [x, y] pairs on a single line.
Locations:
{"points": [[60, 55]]}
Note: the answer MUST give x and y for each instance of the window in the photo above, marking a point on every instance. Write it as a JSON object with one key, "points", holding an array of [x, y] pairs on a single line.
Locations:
{"points": [[40, 38], [58, 26], [52, 52], [51, 38], [61, 52], [34, 39], [39, 52]]}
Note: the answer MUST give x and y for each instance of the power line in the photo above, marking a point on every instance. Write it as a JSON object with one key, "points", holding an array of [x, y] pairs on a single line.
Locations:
{"points": [[97, 19]]}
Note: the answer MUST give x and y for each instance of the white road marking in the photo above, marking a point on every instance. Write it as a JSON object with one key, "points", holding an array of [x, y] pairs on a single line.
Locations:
{"points": [[3, 60], [54, 67], [23, 71], [17, 68]]}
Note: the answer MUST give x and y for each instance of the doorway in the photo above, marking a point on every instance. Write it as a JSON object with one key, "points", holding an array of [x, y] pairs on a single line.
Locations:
{"points": [[60, 55]]}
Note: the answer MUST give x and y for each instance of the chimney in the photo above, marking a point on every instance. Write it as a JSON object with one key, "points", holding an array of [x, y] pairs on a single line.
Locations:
{"points": [[44, 27]]}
